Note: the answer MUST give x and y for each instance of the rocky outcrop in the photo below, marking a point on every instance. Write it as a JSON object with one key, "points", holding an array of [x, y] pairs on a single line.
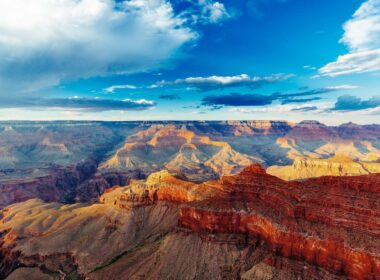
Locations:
{"points": [[159, 186], [179, 150], [150, 223], [334, 233], [78, 239], [312, 131], [251, 128], [49, 160], [243, 226], [58, 185], [303, 168], [40, 159], [81, 183], [97, 184], [359, 132]]}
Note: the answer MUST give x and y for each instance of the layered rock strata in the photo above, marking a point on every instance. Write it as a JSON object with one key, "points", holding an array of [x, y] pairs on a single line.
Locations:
{"points": [[247, 226]]}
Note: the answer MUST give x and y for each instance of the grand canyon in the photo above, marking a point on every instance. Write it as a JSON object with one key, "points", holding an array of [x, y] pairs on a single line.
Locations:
{"points": [[189, 200], [189, 140]]}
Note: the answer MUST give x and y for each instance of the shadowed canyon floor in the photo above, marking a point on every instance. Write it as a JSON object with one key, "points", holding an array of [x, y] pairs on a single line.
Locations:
{"points": [[189, 200]]}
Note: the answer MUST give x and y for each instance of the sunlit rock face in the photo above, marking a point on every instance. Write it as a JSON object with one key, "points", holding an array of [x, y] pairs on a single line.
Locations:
{"points": [[303, 168], [329, 222], [49, 160], [185, 200], [77, 161], [249, 226], [179, 150]]}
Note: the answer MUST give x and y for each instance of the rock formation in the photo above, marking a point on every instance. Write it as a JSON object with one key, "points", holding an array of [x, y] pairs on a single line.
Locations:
{"points": [[249, 226], [303, 168], [59, 161], [163, 200], [178, 150], [334, 233]]}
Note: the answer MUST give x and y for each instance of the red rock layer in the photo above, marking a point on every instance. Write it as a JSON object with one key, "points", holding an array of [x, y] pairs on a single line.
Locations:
{"points": [[333, 223]]}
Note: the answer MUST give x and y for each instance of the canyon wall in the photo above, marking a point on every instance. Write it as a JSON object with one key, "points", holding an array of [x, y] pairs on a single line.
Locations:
{"points": [[249, 225]]}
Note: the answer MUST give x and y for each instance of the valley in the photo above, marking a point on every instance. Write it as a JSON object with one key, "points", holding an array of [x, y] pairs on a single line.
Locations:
{"points": [[241, 199]]}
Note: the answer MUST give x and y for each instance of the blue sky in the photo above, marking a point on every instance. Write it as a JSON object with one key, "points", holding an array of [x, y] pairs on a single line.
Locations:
{"points": [[180, 59]]}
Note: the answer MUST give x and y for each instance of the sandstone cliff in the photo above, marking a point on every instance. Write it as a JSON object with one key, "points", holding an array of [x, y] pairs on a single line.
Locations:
{"points": [[248, 226], [303, 168], [178, 150]]}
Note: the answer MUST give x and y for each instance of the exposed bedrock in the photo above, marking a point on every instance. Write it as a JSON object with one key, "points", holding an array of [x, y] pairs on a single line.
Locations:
{"points": [[247, 226], [332, 223], [58, 185]]}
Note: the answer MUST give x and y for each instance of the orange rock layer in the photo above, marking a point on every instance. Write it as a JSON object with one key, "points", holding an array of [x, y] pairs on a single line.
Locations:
{"points": [[254, 223], [330, 222]]}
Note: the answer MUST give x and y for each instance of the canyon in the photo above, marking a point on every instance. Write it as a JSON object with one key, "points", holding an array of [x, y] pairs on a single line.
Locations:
{"points": [[240, 225], [189, 200]]}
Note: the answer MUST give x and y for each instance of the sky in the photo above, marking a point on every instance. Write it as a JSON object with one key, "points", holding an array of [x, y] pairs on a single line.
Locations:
{"points": [[190, 60]]}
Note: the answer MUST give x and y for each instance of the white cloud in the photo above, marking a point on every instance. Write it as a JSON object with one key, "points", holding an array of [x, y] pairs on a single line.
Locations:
{"points": [[216, 82], [362, 37], [206, 12], [140, 102], [318, 108], [44, 42], [79, 104], [112, 89], [356, 62], [309, 67], [222, 80], [213, 12], [342, 87], [362, 32], [271, 109]]}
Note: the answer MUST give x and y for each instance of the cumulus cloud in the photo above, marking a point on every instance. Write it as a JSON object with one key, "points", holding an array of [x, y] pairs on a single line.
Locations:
{"points": [[362, 37], [44, 42], [112, 89], [353, 103], [220, 82], [363, 30], [80, 104], [237, 99], [357, 62], [213, 12], [204, 12]]}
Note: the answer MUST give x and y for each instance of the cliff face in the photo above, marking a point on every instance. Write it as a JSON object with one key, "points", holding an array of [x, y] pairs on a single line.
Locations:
{"points": [[59, 161], [148, 216], [249, 226], [59, 184], [49, 160], [312, 131], [250, 128], [178, 150], [318, 222], [303, 168], [90, 189], [159, 186]]}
